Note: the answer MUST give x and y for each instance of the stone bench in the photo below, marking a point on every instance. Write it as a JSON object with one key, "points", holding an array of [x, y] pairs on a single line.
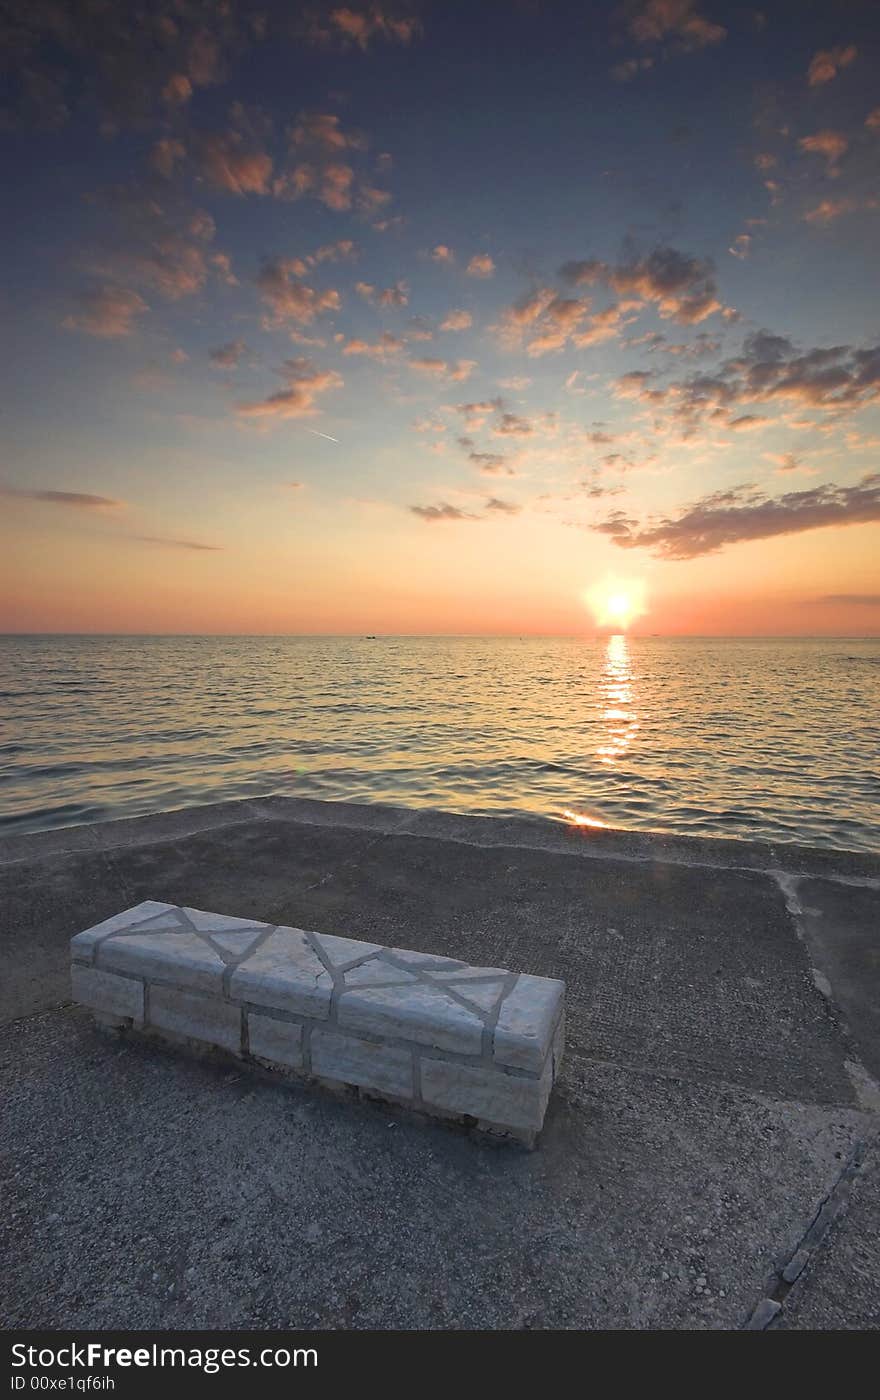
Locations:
{"points": [[477, 1044]]}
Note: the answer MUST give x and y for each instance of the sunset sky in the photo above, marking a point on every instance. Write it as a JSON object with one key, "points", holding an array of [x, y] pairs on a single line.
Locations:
{"points": [[436, 317]]}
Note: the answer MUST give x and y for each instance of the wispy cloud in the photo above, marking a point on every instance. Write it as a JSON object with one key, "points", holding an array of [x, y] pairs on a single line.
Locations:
{"points": [[856, 600], [168, 542], [77, 500]]}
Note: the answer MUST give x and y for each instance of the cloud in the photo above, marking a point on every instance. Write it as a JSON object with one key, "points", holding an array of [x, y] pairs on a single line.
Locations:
{"points": [[123, 62], [827, 210], [455, 371], [396, 296], [227, 356], [229, 163], [550, 321], [741, 246], [443, 511], [747, 422], [833, 145], [325, 130], [827, 63], [872, 120], [107, 312], [787, 462], [630, 68], [324, 176], [360, 27], [678, 20], [457, 321], [768, 369], [161, 247], [476, 413], [169, 543], [77, 500], [858, 600], [304, 384], [491, 463], [178, 90], [386, 346], [442, 254], [731, 517], [289, 298], [165, 156], [480, 265], [336, 182], [681, 286], [370, 200], [502, 507], [512, 425]]}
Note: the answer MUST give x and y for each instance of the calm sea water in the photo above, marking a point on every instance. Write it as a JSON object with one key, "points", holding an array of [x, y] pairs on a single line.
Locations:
{"points": [[756, 738]]}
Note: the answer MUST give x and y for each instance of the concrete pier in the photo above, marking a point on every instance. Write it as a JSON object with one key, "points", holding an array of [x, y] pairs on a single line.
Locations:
{"points": [[709, 1156]]}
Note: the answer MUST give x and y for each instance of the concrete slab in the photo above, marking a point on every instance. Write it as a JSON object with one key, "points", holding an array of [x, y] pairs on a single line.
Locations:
{"points": [[839, 1289], [241, 1211], [841, 923], [717, 1082]]}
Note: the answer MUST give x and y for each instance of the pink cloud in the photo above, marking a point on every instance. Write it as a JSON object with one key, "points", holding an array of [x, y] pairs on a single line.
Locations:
{"points": [[304, 384]]}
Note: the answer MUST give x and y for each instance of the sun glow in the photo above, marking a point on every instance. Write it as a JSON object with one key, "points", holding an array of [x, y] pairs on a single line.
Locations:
{"points": [[616, 602]]}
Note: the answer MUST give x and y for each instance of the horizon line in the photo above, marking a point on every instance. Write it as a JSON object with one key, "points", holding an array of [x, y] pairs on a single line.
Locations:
{"points": [[599, 634]]}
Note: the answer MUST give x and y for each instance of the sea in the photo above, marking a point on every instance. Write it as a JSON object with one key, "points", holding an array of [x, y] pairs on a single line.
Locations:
{"points": [[775, 739]]}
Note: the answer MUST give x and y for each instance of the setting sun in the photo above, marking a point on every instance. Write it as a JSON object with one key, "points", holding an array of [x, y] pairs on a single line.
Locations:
{"points": [[616, 602]]}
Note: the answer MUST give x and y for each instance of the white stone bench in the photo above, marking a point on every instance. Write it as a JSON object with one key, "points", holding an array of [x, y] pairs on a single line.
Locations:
{"points": [[472, 1043]]}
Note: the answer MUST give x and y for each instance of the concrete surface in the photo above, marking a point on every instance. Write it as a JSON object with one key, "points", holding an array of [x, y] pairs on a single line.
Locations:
{"points": [[714, 1129]]}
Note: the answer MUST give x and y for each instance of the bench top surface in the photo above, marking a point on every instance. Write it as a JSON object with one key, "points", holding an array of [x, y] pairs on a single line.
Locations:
{"points": [[434, 1000]]}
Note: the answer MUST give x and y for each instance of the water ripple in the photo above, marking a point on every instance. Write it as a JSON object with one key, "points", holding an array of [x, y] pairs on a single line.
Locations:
{"points": [[770, 739]]}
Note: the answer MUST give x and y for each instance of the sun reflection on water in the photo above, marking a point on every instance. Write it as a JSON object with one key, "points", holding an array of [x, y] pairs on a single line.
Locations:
{"points": [[616, 701]]}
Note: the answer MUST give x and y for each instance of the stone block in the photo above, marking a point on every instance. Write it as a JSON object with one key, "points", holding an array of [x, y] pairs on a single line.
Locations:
{"points": [[527, 1019], [198, 1017], [280, 1041], [414, 1011], [285, 972], [483, 1092], [83, 945], [104, 992], [422, 1028], [172, 955], [349, 1059]]}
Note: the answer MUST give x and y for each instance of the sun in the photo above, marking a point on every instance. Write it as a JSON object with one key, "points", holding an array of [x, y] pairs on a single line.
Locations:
{"points": [[616, 602]]}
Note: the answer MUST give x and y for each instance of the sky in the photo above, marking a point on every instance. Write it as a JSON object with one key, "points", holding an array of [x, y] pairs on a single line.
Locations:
{"points": [[440, 317]]}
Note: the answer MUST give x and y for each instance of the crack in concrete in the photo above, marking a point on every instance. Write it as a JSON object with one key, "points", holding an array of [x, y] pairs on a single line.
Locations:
{"points": [[830, 1209]]}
